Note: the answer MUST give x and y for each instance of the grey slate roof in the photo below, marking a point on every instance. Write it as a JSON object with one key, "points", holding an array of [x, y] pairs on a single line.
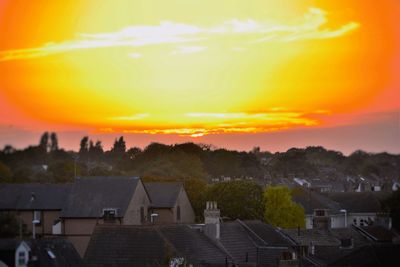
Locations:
{"points": [[47, 196], [163, 195], [357, 202], [310, 201], [371, 256], [328, 242], [270, 235], [254, 242], [123, 245], [64, 252], [89, 196]]}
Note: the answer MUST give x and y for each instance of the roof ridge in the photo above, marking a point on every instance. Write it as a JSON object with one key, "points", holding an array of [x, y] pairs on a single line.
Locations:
{"points": [[251, 231]]}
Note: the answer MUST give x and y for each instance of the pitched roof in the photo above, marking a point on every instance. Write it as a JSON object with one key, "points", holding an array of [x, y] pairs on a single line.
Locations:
{"points": [[357, 201], [193, 244], [123, 245], [89, 196], [63, 251], [310, 201], [163, 195], [327, 243], [378, 233], [46, 196], [329, 237], [371, 255], [253, 242], [270, 235]]}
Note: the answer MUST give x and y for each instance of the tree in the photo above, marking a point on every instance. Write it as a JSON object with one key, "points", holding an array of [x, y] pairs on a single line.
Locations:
{"points": [[84, 146], [53, 142], [63, 171], [5, 173], [280, 210], [119, 146], [238, 199], [392, 205], [95, 150], [10, 226], [196, 190], [44, 142]]}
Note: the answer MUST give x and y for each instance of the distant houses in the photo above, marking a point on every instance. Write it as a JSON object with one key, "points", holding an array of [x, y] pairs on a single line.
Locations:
{"points": [[37, 205], [237, 243], [73, 210], [338, 210], [121, 221]]}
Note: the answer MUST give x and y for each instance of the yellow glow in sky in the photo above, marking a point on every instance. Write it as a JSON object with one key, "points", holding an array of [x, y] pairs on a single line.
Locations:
{"points": [[192, 67]]}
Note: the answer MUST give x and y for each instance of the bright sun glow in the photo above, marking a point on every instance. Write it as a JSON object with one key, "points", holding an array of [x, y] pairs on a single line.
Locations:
{"points": [[192, 68]]}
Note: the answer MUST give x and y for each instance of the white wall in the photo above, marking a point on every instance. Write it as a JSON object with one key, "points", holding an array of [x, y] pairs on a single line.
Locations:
{"points": [[355, 218], [309, 224], [338, 221]]}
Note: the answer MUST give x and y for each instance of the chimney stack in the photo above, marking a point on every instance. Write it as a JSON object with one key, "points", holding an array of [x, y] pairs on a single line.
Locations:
{"points": [[212, 220]]}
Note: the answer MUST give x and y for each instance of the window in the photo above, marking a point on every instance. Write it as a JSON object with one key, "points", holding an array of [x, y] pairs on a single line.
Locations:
{"points": [[142, 214], [109, 214], [355, 221], [21, 258], [37, 216], [178, 213], [319, 212]]}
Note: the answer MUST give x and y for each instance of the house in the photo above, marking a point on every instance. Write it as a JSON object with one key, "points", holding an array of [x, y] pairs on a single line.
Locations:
{"points": [[319, 247], [320, 211], [38, 206], [151, 245], [54, 252], [169, 203], [214, 243], [102, 200], [371, 256], [361, 208], [334, 247]]}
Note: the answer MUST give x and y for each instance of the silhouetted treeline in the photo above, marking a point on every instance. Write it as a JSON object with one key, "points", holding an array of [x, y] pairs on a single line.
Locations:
{"points": [[46, 162]]}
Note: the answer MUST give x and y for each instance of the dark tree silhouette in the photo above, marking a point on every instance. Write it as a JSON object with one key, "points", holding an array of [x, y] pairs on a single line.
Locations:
{"points": [[44, 142], [53, 142], [119, 147]]}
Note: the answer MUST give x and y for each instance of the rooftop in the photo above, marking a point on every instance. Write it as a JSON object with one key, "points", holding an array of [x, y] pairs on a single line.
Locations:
{"points": [[89, 196]]}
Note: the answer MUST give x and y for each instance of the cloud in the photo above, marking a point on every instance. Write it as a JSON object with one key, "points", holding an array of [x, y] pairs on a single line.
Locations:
{"points": [[189, 50], [201, 124], [134, 117], [306, 27]]}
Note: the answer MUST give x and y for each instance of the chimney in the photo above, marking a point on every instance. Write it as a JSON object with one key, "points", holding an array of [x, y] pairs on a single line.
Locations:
{"points": [[212, 220]]}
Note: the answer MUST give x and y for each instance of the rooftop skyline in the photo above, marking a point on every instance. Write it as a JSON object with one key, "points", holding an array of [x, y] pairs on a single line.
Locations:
{"points": [[234, 74]]}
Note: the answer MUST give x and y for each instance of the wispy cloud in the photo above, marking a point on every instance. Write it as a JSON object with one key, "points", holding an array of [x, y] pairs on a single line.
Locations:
{"points": [[189, 49], [135, 55], [306, 27], [200, 124], [134, 117]]}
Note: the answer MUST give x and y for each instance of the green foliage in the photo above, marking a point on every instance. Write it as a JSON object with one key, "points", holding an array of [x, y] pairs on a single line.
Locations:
{"points": [[10, 226], [280, 210], [238, 199], [196, 190], [63, 171], [392, 205], [5, 173]]}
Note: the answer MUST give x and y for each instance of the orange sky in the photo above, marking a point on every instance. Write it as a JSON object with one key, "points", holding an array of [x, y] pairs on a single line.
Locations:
{"points": [[202, 71]]}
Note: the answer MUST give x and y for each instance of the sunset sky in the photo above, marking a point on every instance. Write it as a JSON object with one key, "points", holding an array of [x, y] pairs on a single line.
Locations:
{"points": [[236, 74]]}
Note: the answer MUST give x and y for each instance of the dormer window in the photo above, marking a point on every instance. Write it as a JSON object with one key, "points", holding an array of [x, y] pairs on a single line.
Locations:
{"points": [[21, 258], [109, 214]]}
